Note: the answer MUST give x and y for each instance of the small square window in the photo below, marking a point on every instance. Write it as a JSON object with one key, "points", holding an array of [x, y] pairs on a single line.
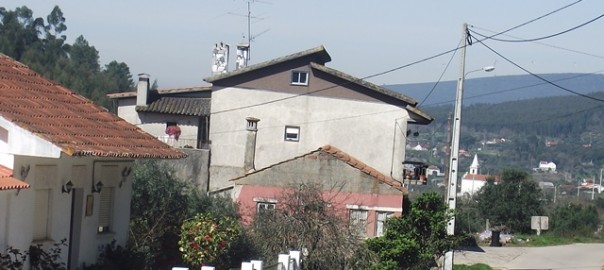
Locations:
{"points": [[264, 206], [292, 133], [299, 77]]}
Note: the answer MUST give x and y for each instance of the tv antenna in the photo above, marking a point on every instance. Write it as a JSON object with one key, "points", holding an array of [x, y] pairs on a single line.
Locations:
{"points": [[249, 17]]}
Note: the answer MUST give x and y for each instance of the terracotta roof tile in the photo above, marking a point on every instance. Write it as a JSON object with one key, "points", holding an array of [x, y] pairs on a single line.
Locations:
{"points": [[355, 163], [363, 167], [70, 121], [7, 181]]}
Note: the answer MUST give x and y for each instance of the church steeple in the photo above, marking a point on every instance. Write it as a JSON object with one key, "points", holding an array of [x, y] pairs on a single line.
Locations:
{"points": [[475, 167]]}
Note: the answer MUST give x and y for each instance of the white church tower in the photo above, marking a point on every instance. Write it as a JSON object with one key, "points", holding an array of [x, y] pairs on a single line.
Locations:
{"points": [[475, 167]]}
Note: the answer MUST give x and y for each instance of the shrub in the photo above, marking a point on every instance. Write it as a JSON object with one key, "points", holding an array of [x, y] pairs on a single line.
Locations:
{"points": [[204, 238]]}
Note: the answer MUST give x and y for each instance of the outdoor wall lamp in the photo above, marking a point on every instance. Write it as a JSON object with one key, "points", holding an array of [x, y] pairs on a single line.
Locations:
{"points": [[96, 188], [67, 187]]}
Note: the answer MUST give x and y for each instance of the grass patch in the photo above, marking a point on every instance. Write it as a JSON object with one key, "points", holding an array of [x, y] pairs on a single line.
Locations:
{"points": [[478, 266]]}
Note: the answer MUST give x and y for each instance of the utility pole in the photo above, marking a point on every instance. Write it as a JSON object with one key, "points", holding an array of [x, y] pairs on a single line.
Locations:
{"points": [[448, 149], [454, 159]]}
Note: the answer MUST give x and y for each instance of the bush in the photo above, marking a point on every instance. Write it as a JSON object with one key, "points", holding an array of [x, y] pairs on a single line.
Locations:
{"points": [[204, 238], [574, 220], [113, 256], [39, 259]]}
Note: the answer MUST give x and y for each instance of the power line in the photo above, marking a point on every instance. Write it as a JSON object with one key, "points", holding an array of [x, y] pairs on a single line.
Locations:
{"points": [[518, 88], [549, 45], [539, 77], [536, 19], [441, 76], [540, 38]]}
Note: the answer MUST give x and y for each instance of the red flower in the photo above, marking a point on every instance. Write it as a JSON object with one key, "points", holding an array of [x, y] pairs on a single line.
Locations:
{"points": [[208, 238], [194, 245], [222, 243]]}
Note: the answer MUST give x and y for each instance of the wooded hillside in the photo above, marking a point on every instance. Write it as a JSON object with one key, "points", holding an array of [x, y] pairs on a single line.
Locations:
{"points": [[41, 44]]}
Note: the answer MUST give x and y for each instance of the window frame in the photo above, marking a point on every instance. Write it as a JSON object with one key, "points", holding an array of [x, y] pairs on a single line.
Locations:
{"points": [[380, 224], [358, 223], [296, 78], [289, 139], [268, 206]]}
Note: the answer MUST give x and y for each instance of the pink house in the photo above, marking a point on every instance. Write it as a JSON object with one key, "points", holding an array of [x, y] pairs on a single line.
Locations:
{"points": [[360, 193]]}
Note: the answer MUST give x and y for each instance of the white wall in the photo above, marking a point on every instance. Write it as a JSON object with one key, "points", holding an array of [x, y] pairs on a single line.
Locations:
{"points": [[19, 208], [471, 186], [155, 123], [23, 142], [365, 130]]}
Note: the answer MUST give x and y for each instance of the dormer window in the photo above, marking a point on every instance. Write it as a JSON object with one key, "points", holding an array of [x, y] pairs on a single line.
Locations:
{"points": [[299, 77]]}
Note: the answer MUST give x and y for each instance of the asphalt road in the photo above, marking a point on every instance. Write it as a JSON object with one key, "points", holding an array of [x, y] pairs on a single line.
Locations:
{"points": [[575, 256]]}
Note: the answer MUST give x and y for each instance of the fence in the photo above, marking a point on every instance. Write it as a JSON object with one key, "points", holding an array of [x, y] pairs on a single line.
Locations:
{"points": [[290, 261]]}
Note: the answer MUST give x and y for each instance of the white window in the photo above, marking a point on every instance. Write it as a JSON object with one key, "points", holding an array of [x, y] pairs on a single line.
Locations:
{"points": [[358, 222], [381, 220], [42, 214], [299, 77], [264, 206], [106, 209], [292, 133]]}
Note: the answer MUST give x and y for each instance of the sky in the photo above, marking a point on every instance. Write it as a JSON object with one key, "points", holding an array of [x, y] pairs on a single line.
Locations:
{"points": [[173, 40]]}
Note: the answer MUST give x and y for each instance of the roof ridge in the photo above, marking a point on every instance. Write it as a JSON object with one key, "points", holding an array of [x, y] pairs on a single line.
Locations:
{"points": [[356, 163]]}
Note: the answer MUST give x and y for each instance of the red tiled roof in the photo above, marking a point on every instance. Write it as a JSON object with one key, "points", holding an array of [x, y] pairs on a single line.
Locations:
{"points": [[8, 182], [348, 159], [477, 177], [69, 121], [363, 167]]}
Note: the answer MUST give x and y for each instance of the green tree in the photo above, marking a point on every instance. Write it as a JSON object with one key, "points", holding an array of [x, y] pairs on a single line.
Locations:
{"points": [[417, 239], [511, 202], [119, 76]]}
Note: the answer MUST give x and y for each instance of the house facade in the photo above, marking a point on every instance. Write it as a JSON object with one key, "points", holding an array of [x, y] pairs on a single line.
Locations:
{"points": [[300, 104], [354, 189], [65, 167]]}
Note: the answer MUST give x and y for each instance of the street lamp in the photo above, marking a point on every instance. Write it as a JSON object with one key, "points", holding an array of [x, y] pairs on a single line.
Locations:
{"points": [[455, 136]]}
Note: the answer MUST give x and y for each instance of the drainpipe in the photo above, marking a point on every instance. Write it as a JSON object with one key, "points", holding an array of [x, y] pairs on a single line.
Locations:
{"points": [[250, 144]]}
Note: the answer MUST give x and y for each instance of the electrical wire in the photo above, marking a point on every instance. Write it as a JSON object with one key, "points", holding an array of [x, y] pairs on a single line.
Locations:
{"points": [[536, 19], [517, 88], [548, 45], [441, 76], [537, 76], [540, 38]]}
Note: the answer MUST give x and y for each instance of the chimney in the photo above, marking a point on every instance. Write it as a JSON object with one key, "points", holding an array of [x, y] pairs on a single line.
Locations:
{"points": [[250, 144], [142, 89], [220, 58], [242, 55]]}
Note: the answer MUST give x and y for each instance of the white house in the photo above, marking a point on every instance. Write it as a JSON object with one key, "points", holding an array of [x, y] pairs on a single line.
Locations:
{"points": [[473, 180], [65, 167], [547, 166]]}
